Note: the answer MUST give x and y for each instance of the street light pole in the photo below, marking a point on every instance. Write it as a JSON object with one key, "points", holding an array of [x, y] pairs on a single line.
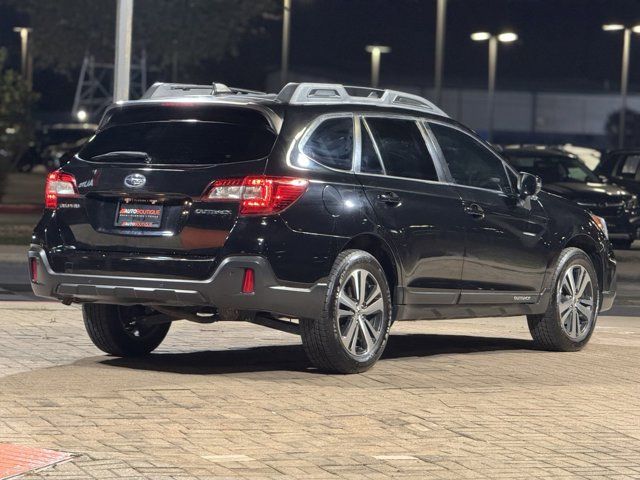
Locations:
{"points": [[624, 82], [494, 41], [376, 52], [441, 26], [493, 67], [624, 85], [25, 62], [286, 38], [122, 64]]}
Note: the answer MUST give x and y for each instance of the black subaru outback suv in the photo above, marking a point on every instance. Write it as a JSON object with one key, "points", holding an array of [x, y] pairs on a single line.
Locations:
{"points": [[324, 210]]}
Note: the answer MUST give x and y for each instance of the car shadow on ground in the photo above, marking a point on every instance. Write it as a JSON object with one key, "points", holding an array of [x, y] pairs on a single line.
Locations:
{"points": [[293, 358]]}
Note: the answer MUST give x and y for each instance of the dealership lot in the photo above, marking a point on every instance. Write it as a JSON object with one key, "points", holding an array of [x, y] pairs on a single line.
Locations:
{"points": [[453, 399]]}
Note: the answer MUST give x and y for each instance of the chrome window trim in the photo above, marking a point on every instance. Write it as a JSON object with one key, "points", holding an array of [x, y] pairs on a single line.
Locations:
{"points": [[363, 121], [303, 136]]}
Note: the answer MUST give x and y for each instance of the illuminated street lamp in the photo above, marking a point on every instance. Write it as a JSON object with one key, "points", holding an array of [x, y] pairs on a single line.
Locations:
{"points": [[25, 59], [624, 84], [494, 40], [376, 52], [82, 115]]}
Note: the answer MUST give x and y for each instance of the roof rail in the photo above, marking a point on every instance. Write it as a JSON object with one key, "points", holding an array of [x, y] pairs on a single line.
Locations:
{"points": [[328, 93], [170, 90]]}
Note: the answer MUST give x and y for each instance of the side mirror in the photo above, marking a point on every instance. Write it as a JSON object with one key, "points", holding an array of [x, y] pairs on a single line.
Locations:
{"points": [[529, 185]]}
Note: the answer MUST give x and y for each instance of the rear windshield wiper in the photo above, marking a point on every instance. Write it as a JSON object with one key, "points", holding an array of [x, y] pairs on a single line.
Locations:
{"points": [[124, 154]]}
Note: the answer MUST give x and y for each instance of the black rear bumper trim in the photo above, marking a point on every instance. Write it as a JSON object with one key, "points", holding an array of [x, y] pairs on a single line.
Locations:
{"points": [[222, 289]]}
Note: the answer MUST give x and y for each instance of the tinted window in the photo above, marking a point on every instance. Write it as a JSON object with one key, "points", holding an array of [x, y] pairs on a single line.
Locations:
{"points": [[554, 168], [370, 162], [470, 162], [403, 149], [182, 142], [629, 166], [331, 143]]}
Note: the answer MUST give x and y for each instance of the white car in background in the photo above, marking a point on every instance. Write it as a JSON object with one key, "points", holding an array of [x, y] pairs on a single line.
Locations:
{"points": [[589, 156]]}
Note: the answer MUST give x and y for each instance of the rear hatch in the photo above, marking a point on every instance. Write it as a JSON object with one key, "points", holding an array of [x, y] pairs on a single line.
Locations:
{"points": [[142, 178]]}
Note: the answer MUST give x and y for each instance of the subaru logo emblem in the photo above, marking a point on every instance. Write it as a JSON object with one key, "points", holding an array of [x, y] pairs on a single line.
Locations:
{"points": [[135, 180]]}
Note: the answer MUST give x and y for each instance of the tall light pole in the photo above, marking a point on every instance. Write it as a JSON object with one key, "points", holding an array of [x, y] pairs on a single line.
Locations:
{"points": [[286, 39], [25, 54], [441, 27], [624, 83], [494, 40], [376, 52], [122, 63]]}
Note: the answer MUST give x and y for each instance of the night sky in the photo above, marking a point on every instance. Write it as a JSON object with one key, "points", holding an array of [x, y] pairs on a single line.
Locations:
{"points": [[562, 45]]}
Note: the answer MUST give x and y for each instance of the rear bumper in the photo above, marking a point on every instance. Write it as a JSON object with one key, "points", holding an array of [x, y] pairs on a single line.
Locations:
{"points": [[221, 290]]}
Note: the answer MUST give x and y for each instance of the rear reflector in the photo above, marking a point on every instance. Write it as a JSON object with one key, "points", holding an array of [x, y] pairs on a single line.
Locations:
{"points": [[248, 282], [33, 269], [258, 195], [59, 184]]}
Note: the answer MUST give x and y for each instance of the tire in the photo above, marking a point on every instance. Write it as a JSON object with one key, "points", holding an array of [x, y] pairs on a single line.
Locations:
{"points": [[112, 331], [561, 332], [340, 341]]}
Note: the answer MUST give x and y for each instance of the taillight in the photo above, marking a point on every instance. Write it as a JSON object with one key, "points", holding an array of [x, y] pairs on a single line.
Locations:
{"points": [[259, 195], [33, 269], [59, 184]]}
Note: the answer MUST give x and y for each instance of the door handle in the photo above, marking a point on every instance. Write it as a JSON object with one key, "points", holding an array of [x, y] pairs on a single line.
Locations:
{"points": [[474, 210], [390, 198]]}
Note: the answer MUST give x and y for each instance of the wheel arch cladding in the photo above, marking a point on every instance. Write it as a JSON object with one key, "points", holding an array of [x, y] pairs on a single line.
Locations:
{"points": [[589, 246], [377, 247]]}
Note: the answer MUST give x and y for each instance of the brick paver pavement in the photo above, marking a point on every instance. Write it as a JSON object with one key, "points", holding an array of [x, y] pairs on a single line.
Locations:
{"points": [[454, 399]]}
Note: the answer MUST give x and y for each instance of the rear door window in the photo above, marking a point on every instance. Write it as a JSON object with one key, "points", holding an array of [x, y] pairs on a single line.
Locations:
{"points": [[402, 148], [370, 161], [331, 143]]}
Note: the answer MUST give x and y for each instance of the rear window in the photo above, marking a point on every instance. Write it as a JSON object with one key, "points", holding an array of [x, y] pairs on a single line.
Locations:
{"points": [[181, 142]]}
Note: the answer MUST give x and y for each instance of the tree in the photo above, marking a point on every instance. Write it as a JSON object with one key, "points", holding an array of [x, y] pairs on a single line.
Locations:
{"points": [[64, 30], [16, 123], [632, 129]]}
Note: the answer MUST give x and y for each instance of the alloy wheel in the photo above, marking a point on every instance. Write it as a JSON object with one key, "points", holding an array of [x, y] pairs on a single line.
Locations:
{"points": [[576, 303], [361, 313]]}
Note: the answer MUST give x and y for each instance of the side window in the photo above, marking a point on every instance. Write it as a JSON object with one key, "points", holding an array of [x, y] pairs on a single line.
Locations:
{"points": [[331, 143], [470, 162], [629, 166], [403, 149], [370, 162]]}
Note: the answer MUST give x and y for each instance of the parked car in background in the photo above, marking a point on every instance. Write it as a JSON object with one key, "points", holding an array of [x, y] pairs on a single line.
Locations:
{"points": [[564, 174], [51, 142], [323, 210], [623, 168], [589, 156]]}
